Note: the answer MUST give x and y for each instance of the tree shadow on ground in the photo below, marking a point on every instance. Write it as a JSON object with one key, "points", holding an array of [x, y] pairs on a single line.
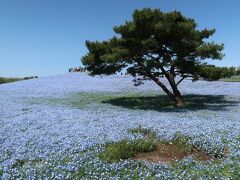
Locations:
{"points": [[163, 103]]}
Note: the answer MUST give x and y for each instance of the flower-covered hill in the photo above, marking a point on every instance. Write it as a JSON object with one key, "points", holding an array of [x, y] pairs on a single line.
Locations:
{"points": [[76, 82], [54, 126]]}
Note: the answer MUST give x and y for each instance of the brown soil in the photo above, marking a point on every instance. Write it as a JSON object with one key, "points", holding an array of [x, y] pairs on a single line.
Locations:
{"points": [[168, 153]]}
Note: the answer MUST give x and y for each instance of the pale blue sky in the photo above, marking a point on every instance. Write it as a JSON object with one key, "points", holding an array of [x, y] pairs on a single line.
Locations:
{"points": [[45, 37]]}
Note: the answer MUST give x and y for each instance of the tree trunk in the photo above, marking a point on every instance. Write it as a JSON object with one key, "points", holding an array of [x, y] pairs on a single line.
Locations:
{"points": [[178, 101], [175, 96], [176, 93]]}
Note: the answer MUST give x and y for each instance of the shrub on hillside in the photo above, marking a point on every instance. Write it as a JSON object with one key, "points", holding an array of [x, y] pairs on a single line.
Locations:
{"points": [[213, 73]]}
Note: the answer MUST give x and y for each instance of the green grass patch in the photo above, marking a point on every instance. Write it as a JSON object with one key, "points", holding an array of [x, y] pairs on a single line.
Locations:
{"points": [[79, 100], [147, 133], [140, 101], [182, 142], [232, 79], [84, 99], [8, 80], [21, 162], [125, 149]]}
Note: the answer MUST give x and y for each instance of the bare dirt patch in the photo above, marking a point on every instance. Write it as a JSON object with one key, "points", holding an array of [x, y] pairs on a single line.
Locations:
{"points": [[168, 153]]}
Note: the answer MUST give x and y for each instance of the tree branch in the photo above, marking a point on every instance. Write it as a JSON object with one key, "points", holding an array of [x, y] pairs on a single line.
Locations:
{"points": [[158, 82], [180, 80]]}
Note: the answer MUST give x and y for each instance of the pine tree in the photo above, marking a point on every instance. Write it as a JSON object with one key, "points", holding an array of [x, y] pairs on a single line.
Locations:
{"points": [[152, 45]]}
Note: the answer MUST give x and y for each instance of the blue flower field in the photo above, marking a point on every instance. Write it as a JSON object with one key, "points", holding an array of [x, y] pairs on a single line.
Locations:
{"points": [[54, 127]]}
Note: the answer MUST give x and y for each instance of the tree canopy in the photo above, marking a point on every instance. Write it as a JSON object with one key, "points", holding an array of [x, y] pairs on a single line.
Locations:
{"points": [[152, 45]]}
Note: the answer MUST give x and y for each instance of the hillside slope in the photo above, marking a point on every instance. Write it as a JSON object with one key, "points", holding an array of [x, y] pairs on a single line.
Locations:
{"points": [[46, 122]]}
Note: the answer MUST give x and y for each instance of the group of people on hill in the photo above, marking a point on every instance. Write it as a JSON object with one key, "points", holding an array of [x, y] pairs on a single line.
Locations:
{"points": [[30, 77], [78, 69]]}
